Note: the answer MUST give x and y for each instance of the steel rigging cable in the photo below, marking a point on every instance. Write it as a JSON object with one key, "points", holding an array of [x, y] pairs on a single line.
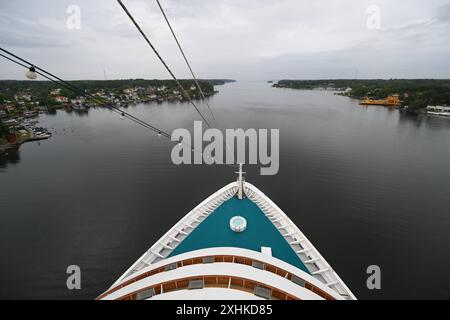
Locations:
{"points": [[168, 69], [162, 60], [190, 69], [80, 91], [47, 75], [186, 60]]}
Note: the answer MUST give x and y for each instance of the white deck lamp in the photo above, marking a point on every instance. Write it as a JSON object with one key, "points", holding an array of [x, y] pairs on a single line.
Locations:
{"points": [[31, 73]]}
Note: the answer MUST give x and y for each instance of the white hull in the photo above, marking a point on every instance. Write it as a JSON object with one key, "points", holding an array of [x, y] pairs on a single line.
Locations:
{"points": [[441, 114]]}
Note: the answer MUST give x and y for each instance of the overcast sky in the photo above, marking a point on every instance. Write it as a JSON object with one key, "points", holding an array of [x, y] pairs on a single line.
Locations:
{"points": [[238, 39]]}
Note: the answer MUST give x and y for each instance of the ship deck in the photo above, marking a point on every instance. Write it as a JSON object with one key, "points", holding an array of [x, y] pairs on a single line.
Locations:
{"points": [[215, 232], [206, 230]]}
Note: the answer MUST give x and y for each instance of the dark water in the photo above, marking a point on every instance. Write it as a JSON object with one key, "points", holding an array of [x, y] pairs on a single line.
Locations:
{"points": [[368, 186]]}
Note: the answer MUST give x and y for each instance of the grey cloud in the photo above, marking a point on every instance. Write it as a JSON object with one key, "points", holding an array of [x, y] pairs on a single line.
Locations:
{"points": [[443, 13], [254, 39]]}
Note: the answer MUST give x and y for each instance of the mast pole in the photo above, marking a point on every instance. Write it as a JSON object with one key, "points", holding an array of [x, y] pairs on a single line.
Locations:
{"points": [[241, 193]]}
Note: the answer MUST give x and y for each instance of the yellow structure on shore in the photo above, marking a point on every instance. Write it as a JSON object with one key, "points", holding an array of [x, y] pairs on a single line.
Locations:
{"points": [[390, 101]]}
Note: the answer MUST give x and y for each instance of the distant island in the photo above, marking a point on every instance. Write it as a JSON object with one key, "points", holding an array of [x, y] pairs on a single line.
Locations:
{"points": [[217, 82], [18, 97], [133, 90], [416, 94]]}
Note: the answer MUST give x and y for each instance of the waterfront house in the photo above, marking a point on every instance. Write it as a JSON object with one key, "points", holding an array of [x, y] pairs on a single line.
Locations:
{"points": [[100, 93], [10, 108], [61, 99], [79, 101], [55, 92], [129, 91], [21, 96]]}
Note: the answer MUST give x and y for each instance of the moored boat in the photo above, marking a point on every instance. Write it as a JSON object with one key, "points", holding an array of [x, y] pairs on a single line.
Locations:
{"points": [[438, 111], [390, 101]]}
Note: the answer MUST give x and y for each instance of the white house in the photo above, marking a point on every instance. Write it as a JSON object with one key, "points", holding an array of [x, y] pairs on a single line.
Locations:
{"points": [[55, 92], [61, 99], [22, 97]]}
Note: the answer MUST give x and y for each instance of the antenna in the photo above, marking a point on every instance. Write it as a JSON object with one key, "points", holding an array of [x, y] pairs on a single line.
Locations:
{"points": [[356, 74], [240, 181]]}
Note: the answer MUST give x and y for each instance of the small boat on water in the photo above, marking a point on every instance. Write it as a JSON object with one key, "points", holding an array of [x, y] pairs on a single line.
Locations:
{"points": [[10, 122], [30, 114], [40, 136], [236, 245], [39, 133], [29, 122]]}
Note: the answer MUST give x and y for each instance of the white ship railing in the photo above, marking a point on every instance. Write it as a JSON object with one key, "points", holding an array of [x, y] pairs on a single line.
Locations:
{"points": [[164, 246], [240, 272], [235, 256], [309, 255]]}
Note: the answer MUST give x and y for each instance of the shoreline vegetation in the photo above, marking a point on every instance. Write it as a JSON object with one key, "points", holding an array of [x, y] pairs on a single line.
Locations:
{"points": [[415, 95], [21, 101]]}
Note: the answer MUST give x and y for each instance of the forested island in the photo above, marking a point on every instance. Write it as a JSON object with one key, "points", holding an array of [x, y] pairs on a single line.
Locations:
{"points": [[18, 97], [41, 90], [20, 101], [416, 94]]}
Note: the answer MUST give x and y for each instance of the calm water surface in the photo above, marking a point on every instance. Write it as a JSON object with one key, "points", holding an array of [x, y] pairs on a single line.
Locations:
{"points": [[368, 186]]}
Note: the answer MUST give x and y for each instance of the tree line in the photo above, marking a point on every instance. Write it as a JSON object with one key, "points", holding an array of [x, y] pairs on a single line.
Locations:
{"points": [[415, 93]]}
